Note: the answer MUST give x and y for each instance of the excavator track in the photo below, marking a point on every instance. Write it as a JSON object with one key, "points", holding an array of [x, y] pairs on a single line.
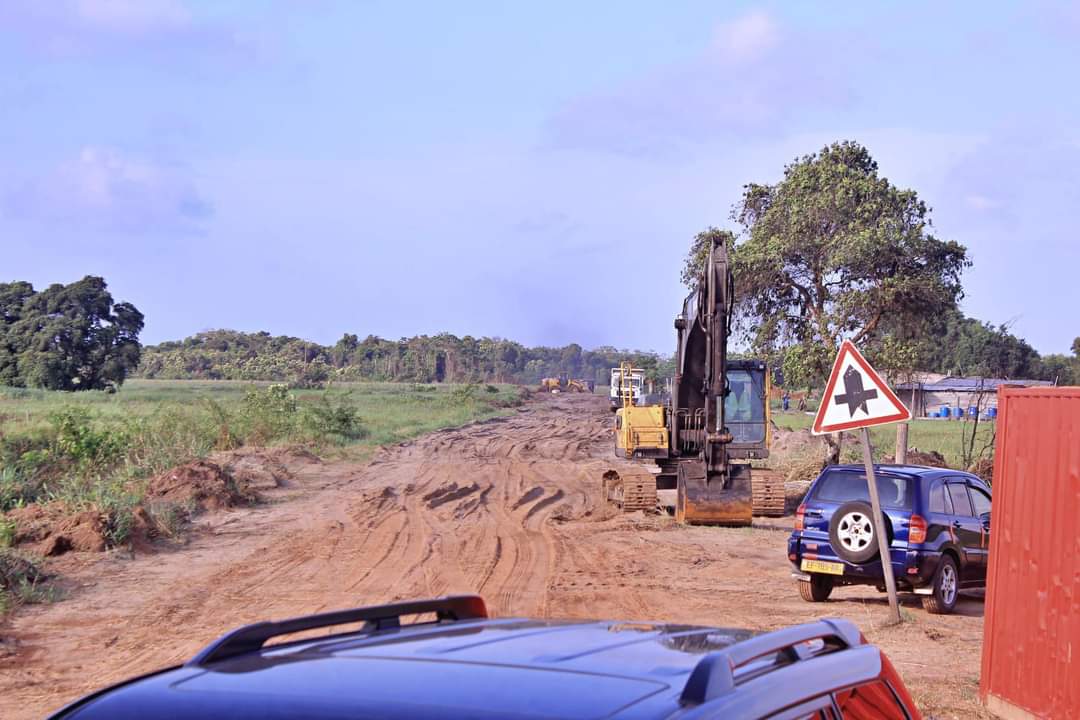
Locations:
{"points": [[635, 489], [631, 490], [767, 493]]}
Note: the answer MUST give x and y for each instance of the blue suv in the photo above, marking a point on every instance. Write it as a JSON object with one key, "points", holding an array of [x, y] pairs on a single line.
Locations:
{"points": [[453, 661], [937, 522]]}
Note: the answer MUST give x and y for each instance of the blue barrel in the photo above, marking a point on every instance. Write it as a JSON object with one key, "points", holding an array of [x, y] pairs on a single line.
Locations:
{"points": [[973, 412], [957, 413], [992, 413]]}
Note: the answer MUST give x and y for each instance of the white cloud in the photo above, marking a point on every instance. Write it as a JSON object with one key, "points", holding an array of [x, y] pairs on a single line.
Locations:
{"points": [[752, 80], [747, 37], [110, 189], [155, 30], [133, 16]]}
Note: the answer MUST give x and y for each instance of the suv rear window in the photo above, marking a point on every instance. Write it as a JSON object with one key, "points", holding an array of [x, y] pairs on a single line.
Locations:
{"points": [[844, 485]]}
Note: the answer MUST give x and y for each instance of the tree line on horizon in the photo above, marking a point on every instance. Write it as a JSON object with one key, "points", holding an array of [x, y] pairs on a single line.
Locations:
{"points": [[234, 355]]}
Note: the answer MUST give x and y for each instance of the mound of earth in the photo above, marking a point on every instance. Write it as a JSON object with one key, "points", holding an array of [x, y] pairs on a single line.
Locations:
{"points": [[198, 486], [797, 442], [54, 532], [263, 468], [805, 469], [915, 456]]}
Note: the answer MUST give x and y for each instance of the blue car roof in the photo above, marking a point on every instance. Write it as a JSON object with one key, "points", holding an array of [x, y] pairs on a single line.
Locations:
{"points": [[481, 668], [910, 470], [492, 668]]}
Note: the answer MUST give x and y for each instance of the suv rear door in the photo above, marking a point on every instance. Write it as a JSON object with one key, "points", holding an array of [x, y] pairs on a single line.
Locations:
{"points": [[939, 515], [980, 499], [968, 531]]}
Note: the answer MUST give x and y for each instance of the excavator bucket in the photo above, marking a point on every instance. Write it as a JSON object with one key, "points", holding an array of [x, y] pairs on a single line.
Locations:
{"points": [[704, 501]]}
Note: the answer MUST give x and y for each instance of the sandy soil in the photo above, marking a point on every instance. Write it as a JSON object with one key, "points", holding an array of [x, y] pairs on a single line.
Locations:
{"points": [[508, 508]]}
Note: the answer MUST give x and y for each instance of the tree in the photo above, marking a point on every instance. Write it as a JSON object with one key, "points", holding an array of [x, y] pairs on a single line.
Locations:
{"points": [[13, 297], [71, 337], [966, 346], [344, 348], [835, 251], [698, 256], [1062, 369]]}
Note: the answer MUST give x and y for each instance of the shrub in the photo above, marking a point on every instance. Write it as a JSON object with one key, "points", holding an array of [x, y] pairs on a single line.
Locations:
{"points": [[225, 439], [87, 446], [270, 413], [334, 419], [312, 376], [462, 395]]}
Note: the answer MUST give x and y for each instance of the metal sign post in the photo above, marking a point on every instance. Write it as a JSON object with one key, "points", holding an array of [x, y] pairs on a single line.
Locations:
{"points": [[879, 526], [856, 397]]}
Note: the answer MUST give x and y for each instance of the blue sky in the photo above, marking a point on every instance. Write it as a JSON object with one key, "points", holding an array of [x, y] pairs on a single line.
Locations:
{"points": [[532, 171]]}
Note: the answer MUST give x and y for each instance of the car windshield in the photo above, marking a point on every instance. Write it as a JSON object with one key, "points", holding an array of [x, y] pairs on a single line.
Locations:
{"points": [[844, 485]]}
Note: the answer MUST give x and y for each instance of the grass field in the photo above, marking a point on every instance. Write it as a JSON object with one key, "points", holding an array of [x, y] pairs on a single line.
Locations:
{"points": [[943, 436], [92, 450], [390, 412]]}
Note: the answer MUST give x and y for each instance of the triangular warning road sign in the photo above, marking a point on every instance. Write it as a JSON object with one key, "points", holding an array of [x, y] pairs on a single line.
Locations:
{"points": [[856, 396]]}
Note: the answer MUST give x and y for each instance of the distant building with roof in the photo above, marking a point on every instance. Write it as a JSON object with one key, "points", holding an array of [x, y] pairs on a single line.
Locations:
{"points": [[928, 394]]}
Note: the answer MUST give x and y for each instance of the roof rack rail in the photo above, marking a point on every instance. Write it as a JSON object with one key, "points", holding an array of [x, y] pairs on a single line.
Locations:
{"points": [[251, 638], [714, 675]]}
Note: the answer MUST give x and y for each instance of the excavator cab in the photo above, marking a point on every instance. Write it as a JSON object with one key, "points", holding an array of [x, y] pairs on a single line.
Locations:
{"points": [[746, 409]]}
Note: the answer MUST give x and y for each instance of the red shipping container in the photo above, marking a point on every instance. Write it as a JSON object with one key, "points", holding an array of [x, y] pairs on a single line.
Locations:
{"points": [[1031, 644]]}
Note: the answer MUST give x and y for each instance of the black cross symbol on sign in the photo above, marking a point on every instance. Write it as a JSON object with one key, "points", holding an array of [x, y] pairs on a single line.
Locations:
{"points": [[854, 395]]}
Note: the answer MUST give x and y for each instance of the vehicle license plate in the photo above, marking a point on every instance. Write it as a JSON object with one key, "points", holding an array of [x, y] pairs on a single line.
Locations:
{"points": [[822, 566]]}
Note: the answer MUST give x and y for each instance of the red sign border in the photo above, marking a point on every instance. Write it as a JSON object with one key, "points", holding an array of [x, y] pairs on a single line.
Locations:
{"points": [[845, 348]]}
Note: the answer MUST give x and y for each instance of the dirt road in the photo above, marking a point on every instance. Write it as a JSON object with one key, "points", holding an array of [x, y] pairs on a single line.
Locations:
{"points": [[508, 508]]}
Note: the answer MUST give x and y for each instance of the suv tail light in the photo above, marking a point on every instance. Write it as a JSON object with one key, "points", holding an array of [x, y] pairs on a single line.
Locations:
{"points": [[917, 529], [800, 517]]}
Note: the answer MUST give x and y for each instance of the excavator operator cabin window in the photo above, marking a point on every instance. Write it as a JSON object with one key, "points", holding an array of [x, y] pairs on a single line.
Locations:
{"points": [[744, 406]]}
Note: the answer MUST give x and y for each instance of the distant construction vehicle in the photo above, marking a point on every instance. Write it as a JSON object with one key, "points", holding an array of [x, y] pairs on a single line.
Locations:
{"points": [[626, 378], [715, 423], [564, 383]]}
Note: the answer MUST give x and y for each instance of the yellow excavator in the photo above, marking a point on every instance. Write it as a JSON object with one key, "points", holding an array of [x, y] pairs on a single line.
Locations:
{"points": [[564, 383], [716, 422]]}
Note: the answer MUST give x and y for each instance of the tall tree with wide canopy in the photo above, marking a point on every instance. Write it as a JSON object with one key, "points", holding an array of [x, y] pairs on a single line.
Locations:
{"points": [[834, 251], [72, 337]]}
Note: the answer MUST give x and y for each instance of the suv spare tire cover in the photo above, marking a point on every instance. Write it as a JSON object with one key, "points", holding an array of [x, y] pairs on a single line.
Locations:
{"points": [[851, 532]]}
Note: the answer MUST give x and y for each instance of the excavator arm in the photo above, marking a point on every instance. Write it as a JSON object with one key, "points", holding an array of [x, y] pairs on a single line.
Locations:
{"points": [[711, 489]]}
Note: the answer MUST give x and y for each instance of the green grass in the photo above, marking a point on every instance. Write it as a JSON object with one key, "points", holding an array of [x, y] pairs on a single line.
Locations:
{"points": [[94, 450], [387, 407], [943, 436]]}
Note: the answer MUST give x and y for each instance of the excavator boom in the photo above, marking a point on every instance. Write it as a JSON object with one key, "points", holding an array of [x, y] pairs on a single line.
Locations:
{"points": [[711, 490]]}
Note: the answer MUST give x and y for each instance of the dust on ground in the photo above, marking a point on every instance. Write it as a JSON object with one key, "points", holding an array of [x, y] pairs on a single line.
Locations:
{"points": [[508, 508]]}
